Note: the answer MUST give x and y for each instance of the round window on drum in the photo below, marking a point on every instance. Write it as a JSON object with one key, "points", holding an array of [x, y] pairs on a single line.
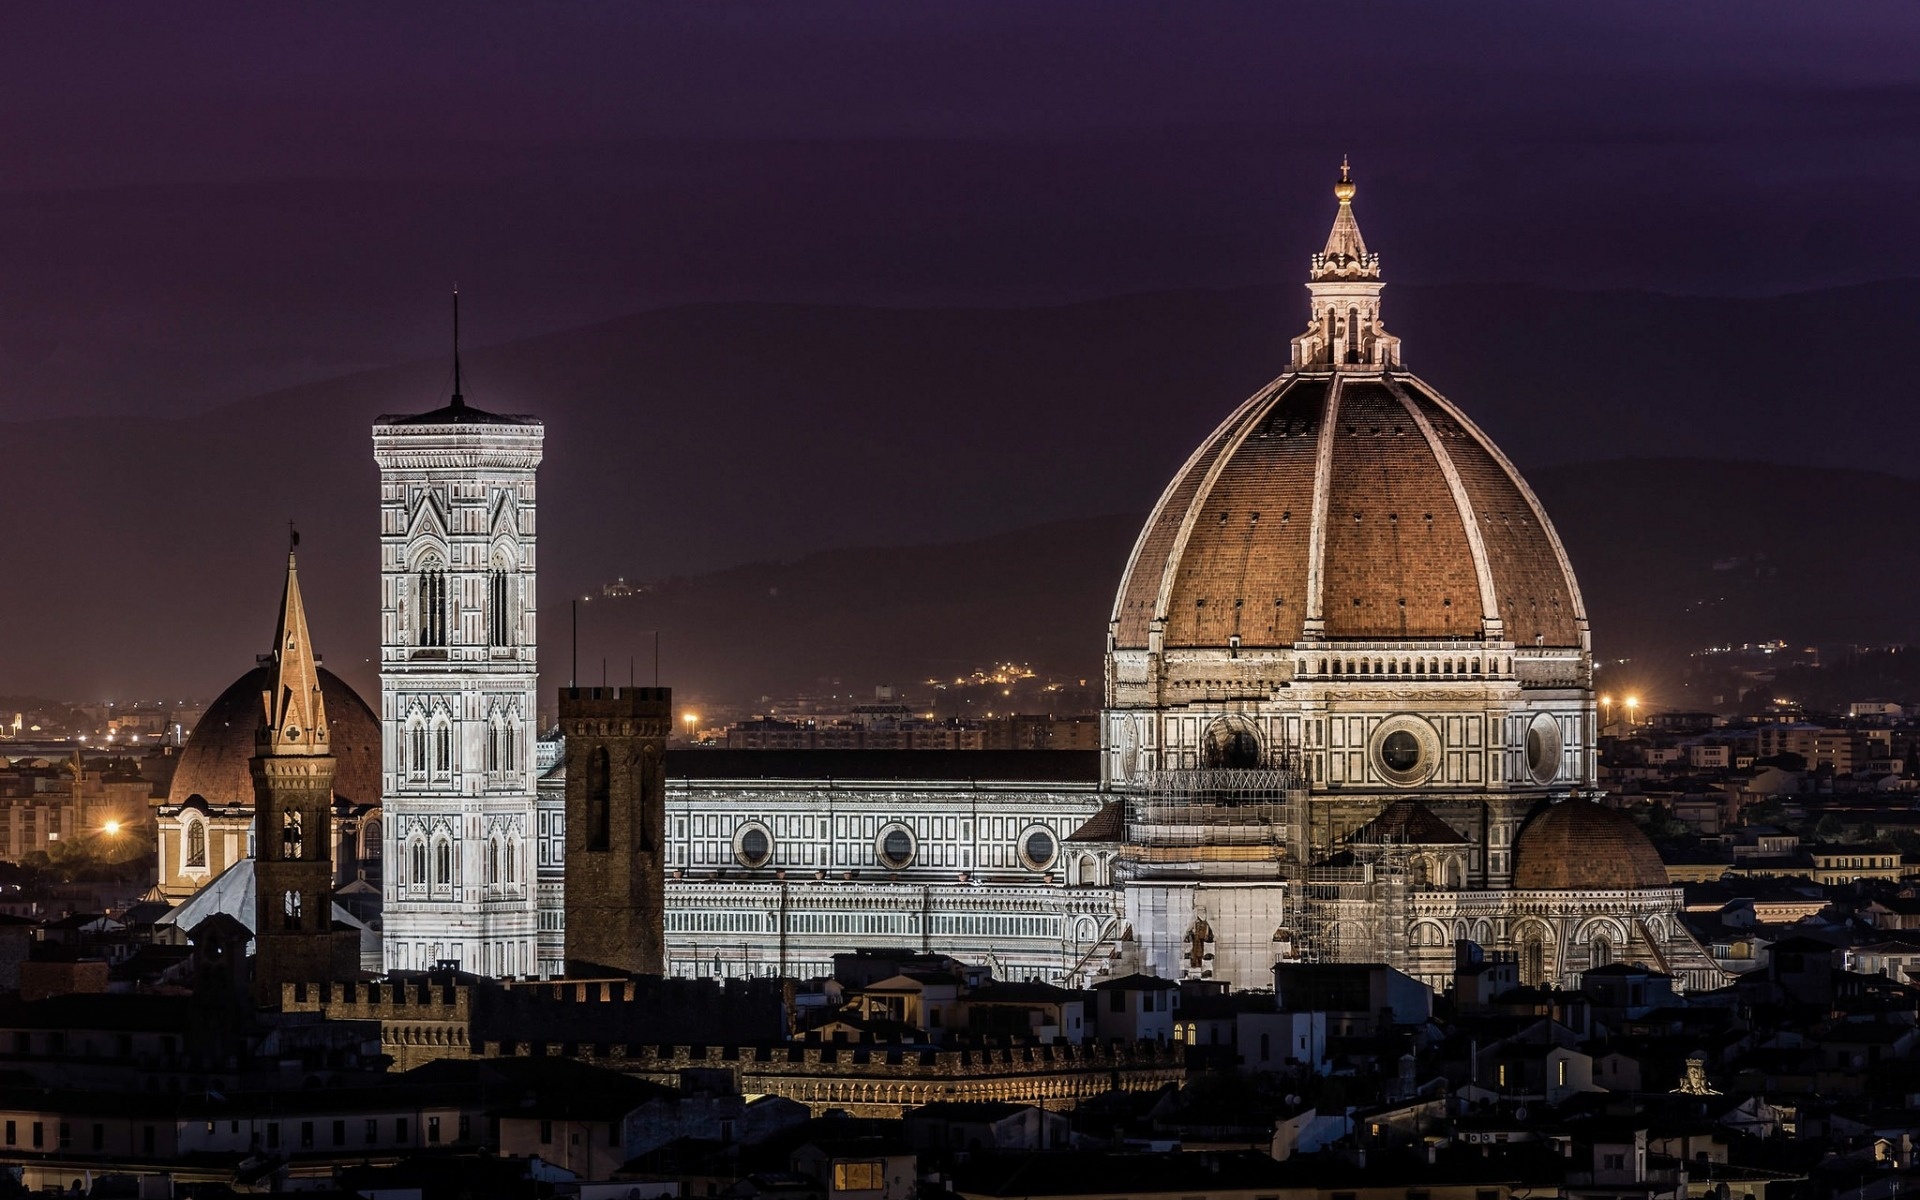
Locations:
{"points": [[1405, 749], [753, 845], [1544, 748], [895, 847], [1038, 848]]}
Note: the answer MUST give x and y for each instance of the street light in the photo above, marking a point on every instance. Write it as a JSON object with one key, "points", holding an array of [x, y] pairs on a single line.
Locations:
{"points": [[1633, 709], [691, 719], [111, 829]]}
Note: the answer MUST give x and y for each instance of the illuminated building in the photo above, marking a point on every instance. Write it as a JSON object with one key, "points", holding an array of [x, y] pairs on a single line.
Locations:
{"points": [[1349, 718], [1349, 690], [458, 679]]}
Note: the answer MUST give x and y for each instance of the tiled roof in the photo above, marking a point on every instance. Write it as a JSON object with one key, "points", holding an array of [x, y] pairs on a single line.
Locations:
{"points": [[1233, 537], [1410, 823], [1107, 825], [1584, 846]]}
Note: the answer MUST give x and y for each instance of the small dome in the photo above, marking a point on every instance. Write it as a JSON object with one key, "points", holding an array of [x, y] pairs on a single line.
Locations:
{"points": [[214, 764], [1578, 845]]}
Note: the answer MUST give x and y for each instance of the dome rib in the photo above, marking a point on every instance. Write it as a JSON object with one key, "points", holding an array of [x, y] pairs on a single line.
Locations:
{"points": [[1489, 598], [1248, 419], [1315, 626]]}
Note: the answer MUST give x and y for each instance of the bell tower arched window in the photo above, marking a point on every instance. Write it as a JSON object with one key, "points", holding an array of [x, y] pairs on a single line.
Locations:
{"points": [[196, 843], [499, 607], [432, 584]]}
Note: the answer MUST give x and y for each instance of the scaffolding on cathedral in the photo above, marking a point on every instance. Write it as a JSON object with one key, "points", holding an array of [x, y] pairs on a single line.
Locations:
{"points": [[1213, 823], [1352, 906]]}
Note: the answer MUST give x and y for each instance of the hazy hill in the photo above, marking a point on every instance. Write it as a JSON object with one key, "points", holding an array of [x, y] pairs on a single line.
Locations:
{"points": [[1672, 555], [145, 553]]}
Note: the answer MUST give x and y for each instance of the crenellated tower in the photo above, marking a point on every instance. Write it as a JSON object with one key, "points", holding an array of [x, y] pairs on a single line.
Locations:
{"points": [[458, 680]]}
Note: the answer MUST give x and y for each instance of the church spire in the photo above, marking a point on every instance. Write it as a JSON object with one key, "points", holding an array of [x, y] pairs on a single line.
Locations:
{"points": [[293, 716], [1346, 253], [1344, 327]]}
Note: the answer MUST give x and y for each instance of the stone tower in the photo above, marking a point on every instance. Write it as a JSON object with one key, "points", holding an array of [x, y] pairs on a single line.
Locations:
{"points": [[294, 938], [616, 826], [458, 682]]}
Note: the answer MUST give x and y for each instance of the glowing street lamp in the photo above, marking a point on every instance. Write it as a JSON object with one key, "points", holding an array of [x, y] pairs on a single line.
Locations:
{"points": [[692, 719], [1633, 709], [111, 829]]}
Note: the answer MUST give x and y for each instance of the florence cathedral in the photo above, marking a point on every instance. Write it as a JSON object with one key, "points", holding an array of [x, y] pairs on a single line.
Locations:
{"points": [[1349, 717]]}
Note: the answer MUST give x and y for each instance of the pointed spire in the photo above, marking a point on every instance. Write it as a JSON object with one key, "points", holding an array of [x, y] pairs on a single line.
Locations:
{"points": [[293, 714], [459, 401], [1344, 329], [1346, 254]]}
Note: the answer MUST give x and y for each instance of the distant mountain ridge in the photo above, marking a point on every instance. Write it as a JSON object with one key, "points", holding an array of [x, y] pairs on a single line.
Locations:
{"points": [[144, 551]]}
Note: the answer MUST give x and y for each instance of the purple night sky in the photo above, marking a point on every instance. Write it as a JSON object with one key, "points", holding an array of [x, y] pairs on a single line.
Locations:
{"points": [[204, 203]]}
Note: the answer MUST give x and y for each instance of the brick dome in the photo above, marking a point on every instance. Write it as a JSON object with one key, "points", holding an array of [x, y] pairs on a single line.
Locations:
{"points": [[214, 763], [1578, 845], [1355, 504]]}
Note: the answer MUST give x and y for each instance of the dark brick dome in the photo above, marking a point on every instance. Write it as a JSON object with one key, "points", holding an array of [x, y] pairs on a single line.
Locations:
{"points": [[214, 763], [1578, 845], [1412, 521]]}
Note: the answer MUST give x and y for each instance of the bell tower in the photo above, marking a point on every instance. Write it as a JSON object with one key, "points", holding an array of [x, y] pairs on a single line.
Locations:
{"points": [[459, 674], [294, 938]]}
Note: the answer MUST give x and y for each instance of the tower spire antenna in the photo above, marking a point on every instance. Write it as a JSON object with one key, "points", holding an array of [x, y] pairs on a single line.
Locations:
{"points": [[458, 399]]}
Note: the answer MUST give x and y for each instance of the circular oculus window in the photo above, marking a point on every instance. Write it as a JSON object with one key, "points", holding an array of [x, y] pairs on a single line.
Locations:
{"points": [[753, 845], [1544, 748], [1038, 849], [896, 847], [1405, 750]]}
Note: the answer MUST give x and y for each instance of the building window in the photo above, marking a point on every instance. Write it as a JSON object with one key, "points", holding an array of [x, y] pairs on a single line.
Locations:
{"points": [[417, 864], [546, 1133], [433, 603], [373, 1130], [442, 863], [290, 837], [442, 746], [416, 747], [196, 844], [400, 1130], [291, 904], [599, 799], [499, 619], [306, 1135], [433, 1131], [339, 1133], [859, 1176]]}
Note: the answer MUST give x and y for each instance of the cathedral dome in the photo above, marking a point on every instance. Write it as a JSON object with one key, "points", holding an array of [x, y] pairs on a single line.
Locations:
{"points": [[1359, 507], [1578, 845], [214, 763], [1347, 500]]}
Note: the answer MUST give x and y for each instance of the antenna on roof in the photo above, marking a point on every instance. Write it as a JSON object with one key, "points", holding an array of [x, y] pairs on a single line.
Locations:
{"points": [[458, 399]]}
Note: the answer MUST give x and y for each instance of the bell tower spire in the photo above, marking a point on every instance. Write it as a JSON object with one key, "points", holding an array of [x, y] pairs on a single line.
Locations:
{"points": [[293, 935], [1344, 328], [294, 715]]}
